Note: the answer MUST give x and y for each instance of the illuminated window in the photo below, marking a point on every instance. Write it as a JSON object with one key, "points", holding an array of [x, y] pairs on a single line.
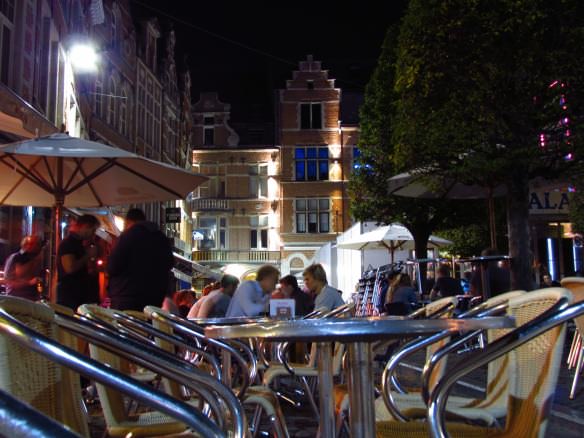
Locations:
{"points": [[310, 116], [258, 232], [258, 180], [212, 232], [312, 215], [311, 163]]}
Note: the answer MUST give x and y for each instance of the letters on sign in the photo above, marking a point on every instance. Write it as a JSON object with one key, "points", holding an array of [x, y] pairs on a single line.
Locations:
{"points": [[549, 202]]}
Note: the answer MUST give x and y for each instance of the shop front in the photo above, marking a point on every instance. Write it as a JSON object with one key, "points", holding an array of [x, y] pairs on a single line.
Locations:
{"points": [[555, 250]]}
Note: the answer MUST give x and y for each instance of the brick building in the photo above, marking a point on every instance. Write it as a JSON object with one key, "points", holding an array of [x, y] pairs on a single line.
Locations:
{"points": [[278, 202], [135, 100], [317, 149]]}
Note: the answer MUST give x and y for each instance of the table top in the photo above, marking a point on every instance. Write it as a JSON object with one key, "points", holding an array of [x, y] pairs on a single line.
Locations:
{"points": [[231, 321], [353, 329], [492, 258]]}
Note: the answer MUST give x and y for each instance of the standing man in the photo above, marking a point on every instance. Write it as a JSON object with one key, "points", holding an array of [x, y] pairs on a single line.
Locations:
{"points": [[327, 297], [139, 265], [251, 297], [73, 288], [22, 269]]}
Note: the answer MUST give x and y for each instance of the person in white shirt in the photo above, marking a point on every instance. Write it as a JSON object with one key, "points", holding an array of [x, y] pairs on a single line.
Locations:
{"points": [[327, 297], [251, 297]]}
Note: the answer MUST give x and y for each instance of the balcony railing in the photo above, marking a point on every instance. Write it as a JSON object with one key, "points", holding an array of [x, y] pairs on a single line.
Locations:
{"points": [[236, 256], [210, 204]]}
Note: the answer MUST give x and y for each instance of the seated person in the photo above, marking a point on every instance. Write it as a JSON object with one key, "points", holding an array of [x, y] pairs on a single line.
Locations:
{"points": [[251, 298], [216, 302], [445, 285], [403, 298], [289, 289], [184, 300], [327, 297]]}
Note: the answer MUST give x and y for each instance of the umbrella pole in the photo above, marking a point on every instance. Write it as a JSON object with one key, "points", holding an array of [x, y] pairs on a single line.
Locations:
{"points": [[492, 226], [58, 214]]}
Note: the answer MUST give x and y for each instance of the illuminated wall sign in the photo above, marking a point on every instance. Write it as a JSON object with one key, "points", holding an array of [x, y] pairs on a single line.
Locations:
{"points": [[549, 203]]}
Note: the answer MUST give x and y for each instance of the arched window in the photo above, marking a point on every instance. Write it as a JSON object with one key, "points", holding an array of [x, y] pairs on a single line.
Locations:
{"points": [[111, 103]]}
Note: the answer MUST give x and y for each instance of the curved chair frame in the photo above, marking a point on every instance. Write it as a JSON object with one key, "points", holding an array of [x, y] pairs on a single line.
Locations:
{"points": [[558, 314], [69, 358]]}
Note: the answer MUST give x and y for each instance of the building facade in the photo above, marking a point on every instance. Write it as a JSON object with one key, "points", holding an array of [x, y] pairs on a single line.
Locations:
{"points": [[136, 98], [236, 222], [276, 203], [317, 152]]}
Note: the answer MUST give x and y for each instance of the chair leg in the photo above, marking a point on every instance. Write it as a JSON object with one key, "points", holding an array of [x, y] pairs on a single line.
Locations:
{"points": [[257, 416], [577, 373], [310, 395], [575, 351]]}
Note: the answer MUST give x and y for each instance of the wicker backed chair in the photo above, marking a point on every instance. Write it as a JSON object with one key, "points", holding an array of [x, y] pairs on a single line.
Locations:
{"points": [[48, 387], [411, 406], [119, 420], [441, 308], [533, 368], [23, 322], [576, 355], [259, 396]]}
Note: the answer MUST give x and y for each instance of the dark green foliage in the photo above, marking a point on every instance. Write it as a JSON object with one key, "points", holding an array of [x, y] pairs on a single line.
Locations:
{"points": [[473, 96]]}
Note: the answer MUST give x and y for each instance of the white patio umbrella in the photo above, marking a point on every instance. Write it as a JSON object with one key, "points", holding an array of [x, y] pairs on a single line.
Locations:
{"points": [[391, 237], [59, 170]]}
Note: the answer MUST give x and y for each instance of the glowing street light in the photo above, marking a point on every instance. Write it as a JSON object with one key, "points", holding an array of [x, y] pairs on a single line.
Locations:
{"points": [[84, 58]]}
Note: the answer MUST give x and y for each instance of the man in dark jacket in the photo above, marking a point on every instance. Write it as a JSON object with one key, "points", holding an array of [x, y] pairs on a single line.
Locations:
{"points": [[139, 265]]}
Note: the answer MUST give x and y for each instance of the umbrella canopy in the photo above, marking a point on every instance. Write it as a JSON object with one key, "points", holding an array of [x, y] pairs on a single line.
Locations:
{"points": [[391, 237], [59, 170], [414, 186], [74, 172]]}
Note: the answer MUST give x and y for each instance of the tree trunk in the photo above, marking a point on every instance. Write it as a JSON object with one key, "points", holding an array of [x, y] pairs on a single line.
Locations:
{"points": [[518, 229]]}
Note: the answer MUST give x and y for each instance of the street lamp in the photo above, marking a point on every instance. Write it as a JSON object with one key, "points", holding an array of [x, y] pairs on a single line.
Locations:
{"points": [[84, 58]]}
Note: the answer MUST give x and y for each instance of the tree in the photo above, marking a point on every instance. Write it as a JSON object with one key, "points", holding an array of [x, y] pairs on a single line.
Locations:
{"points": [[368, 188], [491, 92]]}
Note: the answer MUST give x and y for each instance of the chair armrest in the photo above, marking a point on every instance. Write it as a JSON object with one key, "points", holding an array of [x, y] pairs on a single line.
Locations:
{"points": [[388, 378], [554, 316], [69, 358], [21, 419]]}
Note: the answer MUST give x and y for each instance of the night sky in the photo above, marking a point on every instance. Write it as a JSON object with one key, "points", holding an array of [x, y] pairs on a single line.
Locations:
{"points": [[244, 51]]}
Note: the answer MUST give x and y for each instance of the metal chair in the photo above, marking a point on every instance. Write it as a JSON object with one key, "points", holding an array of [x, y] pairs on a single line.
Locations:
{"points": [[414, 405], [534, 348], [19, 419], [576, 355], [261, 397], [107, 344], [305, 371], [21, 323]]}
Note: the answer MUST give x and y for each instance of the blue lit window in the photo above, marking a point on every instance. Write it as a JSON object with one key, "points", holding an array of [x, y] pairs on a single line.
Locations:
{"points": [[311, 163]]}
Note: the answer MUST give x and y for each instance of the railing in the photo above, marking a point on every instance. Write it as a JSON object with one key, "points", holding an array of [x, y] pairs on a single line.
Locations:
{"points": [[210, 204], [234, 256]]}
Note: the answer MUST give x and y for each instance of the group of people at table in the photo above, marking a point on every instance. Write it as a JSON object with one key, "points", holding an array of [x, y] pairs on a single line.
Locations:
{"points": [[251, 297], [140, 264]]}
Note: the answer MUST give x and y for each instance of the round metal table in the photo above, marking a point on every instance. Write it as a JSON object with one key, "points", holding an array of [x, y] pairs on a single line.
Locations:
{"points": [[358, 333]]}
